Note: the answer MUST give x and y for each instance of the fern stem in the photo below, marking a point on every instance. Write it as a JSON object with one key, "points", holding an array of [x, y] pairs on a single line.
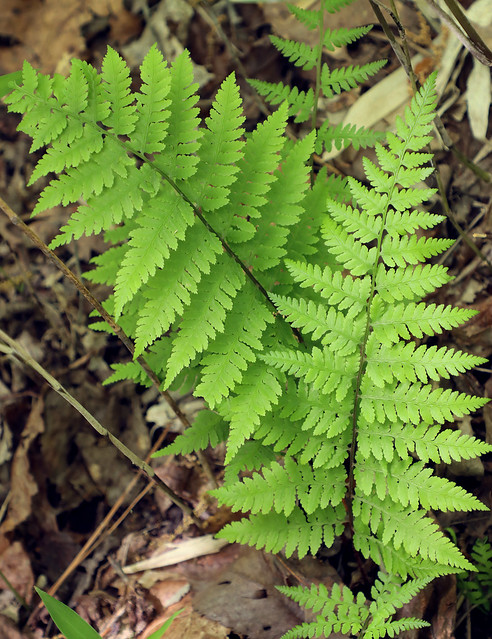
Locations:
{"points": [[14, 349], [126, 341]]}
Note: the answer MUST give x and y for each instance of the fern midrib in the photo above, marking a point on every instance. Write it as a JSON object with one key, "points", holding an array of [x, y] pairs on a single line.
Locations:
{"points": [[363, 347], [183, 195]]}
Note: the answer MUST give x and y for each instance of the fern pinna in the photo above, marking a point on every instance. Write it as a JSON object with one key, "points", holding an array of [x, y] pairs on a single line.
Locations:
{"points": [[215, 261]]}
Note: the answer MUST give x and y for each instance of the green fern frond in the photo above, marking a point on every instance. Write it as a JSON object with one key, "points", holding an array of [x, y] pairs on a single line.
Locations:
{"points": [[410, 221], [411, 250], [299, 53], [411, 283], [234, 349], [104, 209], [68, 152], [477, 588], [320, 368], [300, 102], [335, 81], [220, 149], [298, 532], [280, 487], [307, 17], [169, 291], [152, 242], [178, 158], [396, 561], [342, 135], [345, 292], [392, 322], [205, 315], [208, 429], [257, 175], [198, 218], [429, 443], [415, 403], [406, 528], [258, 392], [407, 362], [341, 611], [325, 324], [336, 38], [116, 76], [252, 455], [360, 224], [152, 104], [282, 210], [412, 484], [355, 257]]}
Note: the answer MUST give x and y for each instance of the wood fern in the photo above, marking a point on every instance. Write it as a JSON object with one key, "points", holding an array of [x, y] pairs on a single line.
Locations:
{"points": [[303, 105], [216, 263]]}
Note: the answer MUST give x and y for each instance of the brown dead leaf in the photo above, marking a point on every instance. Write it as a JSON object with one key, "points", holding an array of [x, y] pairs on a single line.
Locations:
{"points": [[8, 629], [443, 621], [22, 484], [16, 566], [439, 600], [47, 33], [187, 624], [243, 597], [170, 591]]}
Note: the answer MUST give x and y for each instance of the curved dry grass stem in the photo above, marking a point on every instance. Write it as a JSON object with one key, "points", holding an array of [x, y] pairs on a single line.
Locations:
{"points": [[28, 231], [14, 349]]}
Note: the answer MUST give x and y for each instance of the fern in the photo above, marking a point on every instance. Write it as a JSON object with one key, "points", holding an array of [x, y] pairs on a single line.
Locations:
{"points": [[341, 612], [303, 104], [477, 588], [363, 395], [300, 347]]}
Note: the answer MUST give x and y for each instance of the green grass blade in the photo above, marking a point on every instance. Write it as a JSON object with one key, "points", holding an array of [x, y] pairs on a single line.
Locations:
{"points": [[67, 620]]}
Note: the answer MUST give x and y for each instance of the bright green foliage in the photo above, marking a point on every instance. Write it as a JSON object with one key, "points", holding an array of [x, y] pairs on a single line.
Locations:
{"points": [[74, 627], [301, 348], [66, 619], [203, 187], [340, 611], [301, 104], [356, 379], [298, 532], [208, 429]]}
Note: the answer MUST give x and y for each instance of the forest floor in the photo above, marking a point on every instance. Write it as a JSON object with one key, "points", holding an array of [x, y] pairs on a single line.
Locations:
{"points": [[70, 505]]}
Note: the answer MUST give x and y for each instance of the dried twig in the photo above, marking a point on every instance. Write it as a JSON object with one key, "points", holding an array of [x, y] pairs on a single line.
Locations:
{"points": [[27, 230]]}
